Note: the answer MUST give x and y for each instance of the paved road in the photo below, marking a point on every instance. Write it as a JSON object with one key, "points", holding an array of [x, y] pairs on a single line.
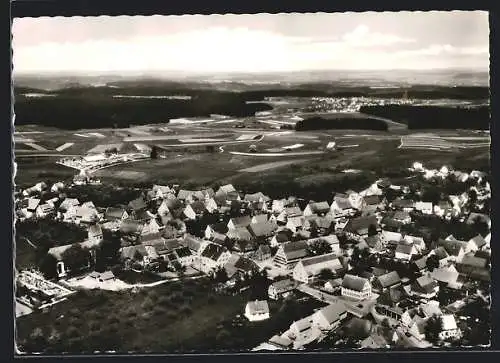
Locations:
{"points": [[279, 154], [317, 294]]}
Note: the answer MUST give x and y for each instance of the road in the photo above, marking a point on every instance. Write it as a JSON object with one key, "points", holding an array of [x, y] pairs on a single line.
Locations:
{"points": [[315, 293], [279, 154]]}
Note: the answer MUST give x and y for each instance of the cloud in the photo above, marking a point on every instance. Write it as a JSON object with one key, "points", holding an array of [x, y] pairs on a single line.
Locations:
{"points": [[361, 36], [445, 49]]}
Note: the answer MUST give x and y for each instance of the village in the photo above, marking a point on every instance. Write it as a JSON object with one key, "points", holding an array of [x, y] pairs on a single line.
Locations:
{"points": [[389, 266]]}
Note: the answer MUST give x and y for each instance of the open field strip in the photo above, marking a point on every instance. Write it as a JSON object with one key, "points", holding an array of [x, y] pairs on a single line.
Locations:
{"points": [[22, 140], [35, 146], [225, 121], [291, 147], [97, 134], [81, 135], [27, 132], [139, 132], [278, 154], [200, 140], [271, 165], [214, 143], [166, 137], [65, 146]]}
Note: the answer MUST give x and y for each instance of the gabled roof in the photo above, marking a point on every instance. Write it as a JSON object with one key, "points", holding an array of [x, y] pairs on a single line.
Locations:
{"points": [[69, 202], [297, 221], [193, 243], [332, 312], [183, 252], [220, 227], [198, 207], [441, 253], [257, 307], [285, 285], [319, 207], [138, 204], [131, 226], [343, 203], [374, 242], [95, 230], [295, 250], [242, 221], [403, 203], [213, 251], [58, 251], [421, 263], [372, 199], [453, 247], [479, 241], [33, 203], [474, 261], [404, 248], [228, 188], [129, 252], [240, 233], [246, 265], [360, 225], [185, 194], [114, 213], [255, 197], [292, 211], [260, 218], [449, 322], [263, 229], [390, 279], [244, 245], [353, 282]]}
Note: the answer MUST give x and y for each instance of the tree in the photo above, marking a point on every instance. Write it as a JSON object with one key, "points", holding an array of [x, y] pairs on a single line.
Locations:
{"points": [[154, 152], [326, 274], [76, 257], [48, 266], [220, 275], [372, 230], [432, 329], [432, 262], [319, 247]]}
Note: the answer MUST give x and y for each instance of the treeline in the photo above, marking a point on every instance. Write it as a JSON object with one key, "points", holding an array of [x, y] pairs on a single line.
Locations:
{"points": [[434, 117], [76, 109], [320, 123]]}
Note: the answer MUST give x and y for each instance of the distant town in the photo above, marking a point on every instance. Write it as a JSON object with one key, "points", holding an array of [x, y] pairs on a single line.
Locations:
{"points": [[388, 266]]}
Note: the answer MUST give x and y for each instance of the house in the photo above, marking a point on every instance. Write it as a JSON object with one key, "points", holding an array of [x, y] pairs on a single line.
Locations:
{"points": [[389, 236], [330, 317], [239, 222], [371, 204], [170, 205], [228, 188], [342, 207], [417, 328], [138, 256], [280, 342], [212, 257], [447, 275], [450, 329], [86, 214], [281, 237], [320, 224], [289, 212], [115, 214], [358, 228], [186, 196], [43, 210], [263, 253], [333, 285], [424, 287], [67, 203], [417, 242], [424, 207], [406, 205], [162, 191], [280, 289], [138, 204], [95, 233], [58, 254], [307, 269], [375, 243], [316, 208], [295, 223], [302, 331], [131, 227], [195, 210], [262, 230], [443, 209], [278, 205], [405, 251], [479, 217], [475, 268], [402, 217], [106, 276], [356, 287], [240, 234], [455, 249], [257, 310], [196, 245], [290, 253], [259, 218], [477, 243], [420, 265], [387, 281]]}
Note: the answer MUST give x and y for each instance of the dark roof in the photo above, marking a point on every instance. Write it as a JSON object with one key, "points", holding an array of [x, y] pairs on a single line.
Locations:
{"points": [[441, 253], [425, 283], [390, 279], [262, 229], [240, 233], [95, 230], [242, 221], [131, 226], [264, 250], [353, 282], [183, 251], [360, 224], [246, 265], [373, 199], [453, 247], [138, 204], [404, 248], [319, 259], [198, 207], [403, 203], [244, 245], [295, 250], [401, 215], [319, 207], [474, 261], [114, 213], [213, 251], [282, 237], [192, 243], [220, 227], [479, 241], [421, 263]]}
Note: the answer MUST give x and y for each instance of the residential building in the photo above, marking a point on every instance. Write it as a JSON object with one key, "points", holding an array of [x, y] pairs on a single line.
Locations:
{"points": [[356, 287], [387, 281], [257, 310], [307, 269], [239, 222], [405, 251], [281, 289], [450, 329], [316, 208], [424, 287], [290, 253], [424, 207], [330, 317]]}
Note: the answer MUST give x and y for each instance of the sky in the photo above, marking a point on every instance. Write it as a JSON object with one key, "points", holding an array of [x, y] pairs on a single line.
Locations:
{"points": [[252, 43]]}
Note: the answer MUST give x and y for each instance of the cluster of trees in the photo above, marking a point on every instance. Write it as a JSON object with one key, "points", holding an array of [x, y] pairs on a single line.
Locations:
{"points": [[77, 108], [434, 117], [103, 195], [321, 123]]}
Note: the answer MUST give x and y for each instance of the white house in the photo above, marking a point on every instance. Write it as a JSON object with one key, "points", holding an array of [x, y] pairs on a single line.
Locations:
{"points": [[281, 289], [319, 209], [43, 210], [307, 269], [212, 257], [405, 251], [257, 310], [424, 207], [356, 287], [330, 317], [450, 329]]}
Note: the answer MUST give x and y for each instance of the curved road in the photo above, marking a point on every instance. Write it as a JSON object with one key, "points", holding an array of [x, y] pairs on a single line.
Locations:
{"points": [[278, 154]]}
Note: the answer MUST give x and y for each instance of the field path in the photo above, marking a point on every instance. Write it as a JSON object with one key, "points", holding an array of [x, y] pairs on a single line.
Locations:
{"points": [[278, 154]]}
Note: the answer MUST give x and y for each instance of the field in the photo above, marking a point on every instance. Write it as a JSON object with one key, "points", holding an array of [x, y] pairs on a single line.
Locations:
{"points": [[174, 317], [208, 162]]}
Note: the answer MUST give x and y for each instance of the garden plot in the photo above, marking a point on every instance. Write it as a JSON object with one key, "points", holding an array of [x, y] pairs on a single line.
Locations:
{"points": [[64, 146]]}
